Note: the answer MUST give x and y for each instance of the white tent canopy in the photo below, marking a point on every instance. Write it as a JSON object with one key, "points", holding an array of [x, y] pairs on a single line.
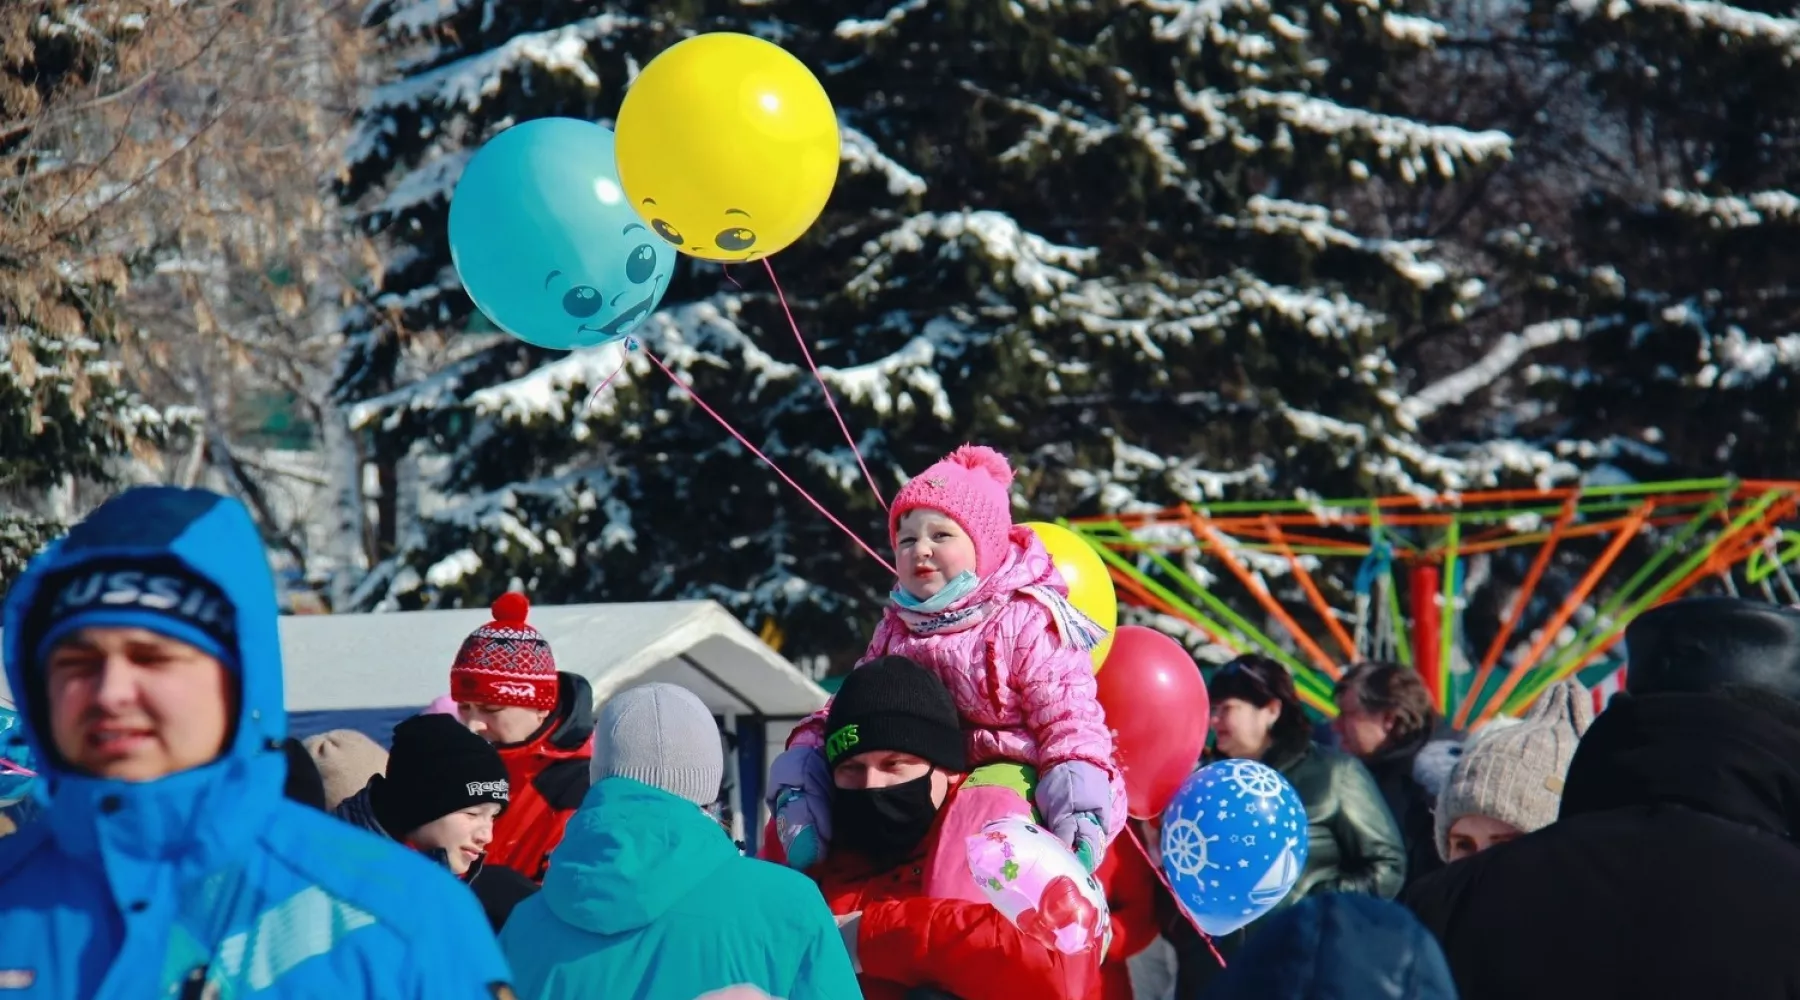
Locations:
{"points": [[399, 659]]}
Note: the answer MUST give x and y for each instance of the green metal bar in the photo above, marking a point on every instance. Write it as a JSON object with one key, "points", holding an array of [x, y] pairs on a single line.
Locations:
{"points": [[1628, 590], [1447, 618], [1302, 672], [1756, 510], [1304, 675]]}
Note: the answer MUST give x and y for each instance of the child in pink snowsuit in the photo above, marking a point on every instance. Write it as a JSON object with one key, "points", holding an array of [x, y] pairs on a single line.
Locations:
{"points": [[981, 604]]}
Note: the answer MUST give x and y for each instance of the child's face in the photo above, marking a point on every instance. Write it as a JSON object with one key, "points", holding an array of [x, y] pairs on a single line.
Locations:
{"points": [[930, 550]]}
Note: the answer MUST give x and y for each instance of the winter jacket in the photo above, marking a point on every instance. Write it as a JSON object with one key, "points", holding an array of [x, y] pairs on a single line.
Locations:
{"points": [[496, 887], [648, 899], [1131, 888], [909, 941], [1337, 947], [549, 775], [1671, 872], [125, 889], [1024, 694], [1351, 846], [1409, 800]]}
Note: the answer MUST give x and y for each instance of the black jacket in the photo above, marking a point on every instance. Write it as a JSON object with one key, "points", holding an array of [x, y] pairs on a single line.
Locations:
{"points": [[1410, 802], [1671, 872], [497, 888]]}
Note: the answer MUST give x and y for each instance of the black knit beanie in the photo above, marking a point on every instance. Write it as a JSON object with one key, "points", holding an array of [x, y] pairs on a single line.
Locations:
{"points": [[896, 705], [436, 767]]}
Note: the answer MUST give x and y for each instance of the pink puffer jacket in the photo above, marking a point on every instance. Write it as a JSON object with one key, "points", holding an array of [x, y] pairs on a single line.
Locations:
{"points": [[1025, 696]]}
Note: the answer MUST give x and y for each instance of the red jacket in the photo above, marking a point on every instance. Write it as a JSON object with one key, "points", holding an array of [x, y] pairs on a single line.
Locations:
{"points": [[1130, 885], [548, 775], [966, 949]]}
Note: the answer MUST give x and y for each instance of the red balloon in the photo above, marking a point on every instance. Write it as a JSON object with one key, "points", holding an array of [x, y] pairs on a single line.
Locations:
{"points": [[1157, 707]]}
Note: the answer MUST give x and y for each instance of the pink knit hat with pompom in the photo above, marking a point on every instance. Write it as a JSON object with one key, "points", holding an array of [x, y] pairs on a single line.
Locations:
{"points": [[970, 486]]}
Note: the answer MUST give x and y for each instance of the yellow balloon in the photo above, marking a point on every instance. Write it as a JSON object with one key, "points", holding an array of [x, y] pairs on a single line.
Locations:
{"points": [[1090, 585], [727, 146]]}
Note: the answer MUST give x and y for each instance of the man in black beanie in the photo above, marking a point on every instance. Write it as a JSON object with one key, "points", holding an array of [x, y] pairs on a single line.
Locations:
{"points": [[443, 790], [1679, 819], [894, 744]]}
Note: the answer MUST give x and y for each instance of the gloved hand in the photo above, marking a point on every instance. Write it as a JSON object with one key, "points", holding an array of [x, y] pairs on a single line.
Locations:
{"points": [[800, 798], [1074, 798]]}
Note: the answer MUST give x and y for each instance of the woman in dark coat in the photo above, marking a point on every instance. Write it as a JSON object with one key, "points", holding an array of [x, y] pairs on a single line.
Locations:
{"points": [[1352, 842]]}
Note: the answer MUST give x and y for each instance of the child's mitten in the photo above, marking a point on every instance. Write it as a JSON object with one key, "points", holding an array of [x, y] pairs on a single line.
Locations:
{"points": [[1074, 798], [800, 798]]}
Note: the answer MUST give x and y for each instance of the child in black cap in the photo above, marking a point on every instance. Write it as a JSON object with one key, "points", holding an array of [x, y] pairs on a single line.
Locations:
{"points": [[443, 790]]}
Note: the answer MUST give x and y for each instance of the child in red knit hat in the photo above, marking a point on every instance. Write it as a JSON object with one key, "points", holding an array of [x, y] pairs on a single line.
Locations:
{"points": [[980, 603]]}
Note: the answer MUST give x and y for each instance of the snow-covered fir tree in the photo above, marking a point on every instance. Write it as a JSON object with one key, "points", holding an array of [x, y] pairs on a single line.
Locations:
{"points": [[1115, 238], [1661, 327]]}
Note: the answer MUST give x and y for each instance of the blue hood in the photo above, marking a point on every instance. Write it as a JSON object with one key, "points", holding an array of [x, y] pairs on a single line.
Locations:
{"points": [[203, 816], [629, 854], [1339, 946]]}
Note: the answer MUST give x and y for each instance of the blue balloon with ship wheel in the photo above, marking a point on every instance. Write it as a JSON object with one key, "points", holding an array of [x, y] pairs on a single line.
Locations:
{"points": [[1233, 843]]}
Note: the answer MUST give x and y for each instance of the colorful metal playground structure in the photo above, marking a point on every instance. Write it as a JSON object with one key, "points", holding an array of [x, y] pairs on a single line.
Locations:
{"points": [[1450, 584]]}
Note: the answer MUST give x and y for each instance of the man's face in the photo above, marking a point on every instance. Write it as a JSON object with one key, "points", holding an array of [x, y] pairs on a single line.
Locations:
{"points": [[501, 724], [134, 705], [1360, 732], [885, 768]]}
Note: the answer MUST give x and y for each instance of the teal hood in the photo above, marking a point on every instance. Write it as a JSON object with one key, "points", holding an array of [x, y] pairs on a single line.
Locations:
{"points": [[629, 854]]}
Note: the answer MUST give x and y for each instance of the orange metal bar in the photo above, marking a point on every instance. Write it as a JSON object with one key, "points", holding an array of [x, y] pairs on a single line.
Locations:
{"points": [[1322, 606], [1733, 549], [1216, 542], [1674, 594], [1574, 600], [1155, 603], [1517, 611]]}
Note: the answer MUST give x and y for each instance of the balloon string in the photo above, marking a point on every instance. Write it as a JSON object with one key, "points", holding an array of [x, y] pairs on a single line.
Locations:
{"points": [[631, 344], [733, 431], [829, 401], [8, 767], [730, 277], [1179, 905]]}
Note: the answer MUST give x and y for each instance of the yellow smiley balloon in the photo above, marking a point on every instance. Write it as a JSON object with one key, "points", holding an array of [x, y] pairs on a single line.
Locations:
{"points": [[727, 146]]}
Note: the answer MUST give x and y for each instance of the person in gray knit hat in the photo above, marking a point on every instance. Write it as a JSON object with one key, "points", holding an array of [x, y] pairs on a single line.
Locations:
{"points": [[648, 897], [663, 736], [1509, 782]]}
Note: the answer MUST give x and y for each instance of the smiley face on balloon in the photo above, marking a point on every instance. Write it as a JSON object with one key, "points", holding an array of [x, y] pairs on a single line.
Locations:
{"points": [[729, 146], [546, 243], [592, 309], [728, 237]]}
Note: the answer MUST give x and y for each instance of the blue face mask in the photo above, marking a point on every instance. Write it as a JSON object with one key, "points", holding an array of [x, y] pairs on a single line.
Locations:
{"points": [[962, 586]]}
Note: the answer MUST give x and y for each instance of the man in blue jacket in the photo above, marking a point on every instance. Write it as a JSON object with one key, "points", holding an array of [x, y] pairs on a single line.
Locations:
{"points": [[142, 651]]}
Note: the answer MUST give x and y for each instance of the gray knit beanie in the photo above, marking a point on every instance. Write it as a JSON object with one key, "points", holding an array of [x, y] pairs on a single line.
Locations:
{"points": [[664, 736], [1515, 774]]}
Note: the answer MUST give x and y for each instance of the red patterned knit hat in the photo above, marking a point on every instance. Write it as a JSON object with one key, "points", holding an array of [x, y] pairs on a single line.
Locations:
{"points": [[506, 662], [970, 486]]}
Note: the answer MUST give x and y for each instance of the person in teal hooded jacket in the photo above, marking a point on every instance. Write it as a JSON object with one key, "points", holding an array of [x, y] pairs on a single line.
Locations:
{"points": [[647, 898], [143, 652]]}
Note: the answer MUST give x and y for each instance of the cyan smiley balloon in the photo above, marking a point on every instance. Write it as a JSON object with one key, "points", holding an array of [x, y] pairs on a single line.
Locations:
{"points": [[1233, 843], [545, 243]]}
